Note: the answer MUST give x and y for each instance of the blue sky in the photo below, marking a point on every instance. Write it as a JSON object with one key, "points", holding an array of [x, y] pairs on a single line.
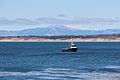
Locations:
{"points": [[71, 9]]}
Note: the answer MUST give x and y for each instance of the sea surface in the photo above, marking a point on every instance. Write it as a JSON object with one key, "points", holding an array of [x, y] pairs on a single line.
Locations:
{"points": [[46, 61]]}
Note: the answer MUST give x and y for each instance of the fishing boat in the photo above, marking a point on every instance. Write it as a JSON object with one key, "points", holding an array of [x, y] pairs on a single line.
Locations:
{"points": [[71, 48]]}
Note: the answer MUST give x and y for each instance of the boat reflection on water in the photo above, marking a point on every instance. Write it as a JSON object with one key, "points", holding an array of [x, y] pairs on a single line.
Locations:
{"points": [[71, 48]]}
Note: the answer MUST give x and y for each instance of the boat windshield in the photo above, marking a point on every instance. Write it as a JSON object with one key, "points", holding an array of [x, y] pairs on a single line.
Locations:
{"points": [[73, 45]]}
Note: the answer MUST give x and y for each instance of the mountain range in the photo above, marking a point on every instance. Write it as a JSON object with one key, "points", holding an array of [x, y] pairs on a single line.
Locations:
{"points": [[56, 31]]}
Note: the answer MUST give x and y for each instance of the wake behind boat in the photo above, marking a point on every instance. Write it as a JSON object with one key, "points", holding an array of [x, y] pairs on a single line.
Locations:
{"points": [[71, 48]]}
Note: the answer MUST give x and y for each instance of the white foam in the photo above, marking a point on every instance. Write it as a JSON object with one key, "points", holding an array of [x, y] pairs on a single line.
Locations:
{"points": [[32, 73], [58, 73], [113, 67], [50, 77], [57, 69]]}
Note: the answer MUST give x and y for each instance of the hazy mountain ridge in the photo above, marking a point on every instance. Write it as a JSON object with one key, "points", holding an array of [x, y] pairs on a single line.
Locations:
{"points": [[56, 30]]}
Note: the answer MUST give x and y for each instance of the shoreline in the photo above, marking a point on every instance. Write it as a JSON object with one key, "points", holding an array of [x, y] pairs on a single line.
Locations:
{"points": [[60, 40]]}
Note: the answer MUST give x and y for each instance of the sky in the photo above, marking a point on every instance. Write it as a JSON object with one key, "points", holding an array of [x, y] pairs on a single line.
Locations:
{"points": [[10, 10]]}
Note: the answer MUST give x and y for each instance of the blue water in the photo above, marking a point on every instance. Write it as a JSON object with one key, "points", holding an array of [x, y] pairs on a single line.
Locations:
{"points": [[46, 61]]}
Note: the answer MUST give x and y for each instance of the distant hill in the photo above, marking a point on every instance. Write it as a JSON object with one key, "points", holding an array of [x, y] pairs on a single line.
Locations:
{"points": [[56, 31]]}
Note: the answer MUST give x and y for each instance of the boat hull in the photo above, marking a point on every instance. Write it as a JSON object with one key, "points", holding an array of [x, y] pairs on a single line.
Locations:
{"points": [[70, 50]]}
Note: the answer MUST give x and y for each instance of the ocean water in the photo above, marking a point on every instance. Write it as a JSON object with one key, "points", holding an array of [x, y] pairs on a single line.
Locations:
{"points": [[46, 61]]}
